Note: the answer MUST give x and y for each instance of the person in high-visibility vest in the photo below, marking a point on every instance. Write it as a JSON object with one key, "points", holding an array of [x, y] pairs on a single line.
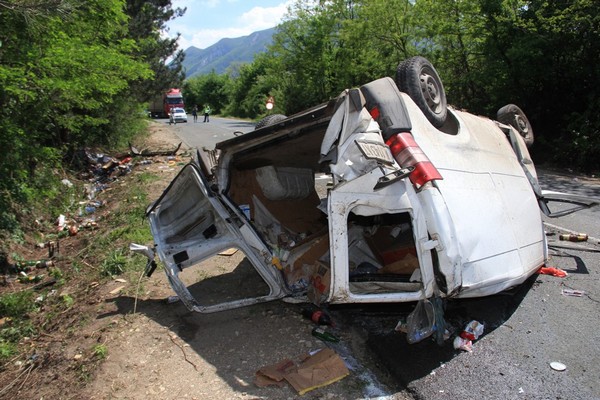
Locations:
{"points": [[206, 113]]}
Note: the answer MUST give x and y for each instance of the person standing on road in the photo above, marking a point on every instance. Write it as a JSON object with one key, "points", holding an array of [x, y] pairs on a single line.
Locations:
{"points": [[206, 113], [171, 116], [195, 113]]}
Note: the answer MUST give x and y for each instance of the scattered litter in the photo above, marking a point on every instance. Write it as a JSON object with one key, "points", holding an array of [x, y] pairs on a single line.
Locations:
{"points": [[420, 322], [559, 273], [317, 316], [120, 280], [150, 153], [463, 344], [401, 326], [574, 237], [117, 290], [24, 278], [51, 245], [472, 331], [60, 222], [324, 335], [573, 292], [557, 366], [313, 371]]}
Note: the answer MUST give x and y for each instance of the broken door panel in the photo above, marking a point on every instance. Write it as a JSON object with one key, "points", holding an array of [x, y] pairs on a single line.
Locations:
{"points": [[190, 224], [374, 249]]}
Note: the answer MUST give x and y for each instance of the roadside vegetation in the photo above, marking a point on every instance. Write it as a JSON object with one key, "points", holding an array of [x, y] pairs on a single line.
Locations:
{"points": [[537, 54], [78, 74]]}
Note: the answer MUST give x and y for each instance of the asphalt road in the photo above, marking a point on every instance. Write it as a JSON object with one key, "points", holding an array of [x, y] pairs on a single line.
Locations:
{"points": [[525, 329], [207, 134]]}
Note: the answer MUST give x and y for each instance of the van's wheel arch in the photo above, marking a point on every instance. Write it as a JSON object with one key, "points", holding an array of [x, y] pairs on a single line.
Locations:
{"points": [[270, 120], [418, 78], [512, 115]]}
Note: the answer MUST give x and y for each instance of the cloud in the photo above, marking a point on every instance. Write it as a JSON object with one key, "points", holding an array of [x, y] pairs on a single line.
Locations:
{"points": [[259, 18], [196, 30]]}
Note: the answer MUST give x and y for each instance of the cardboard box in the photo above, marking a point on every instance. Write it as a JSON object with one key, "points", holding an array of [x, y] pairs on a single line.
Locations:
{"points": [[313, 371], [389, 249]]}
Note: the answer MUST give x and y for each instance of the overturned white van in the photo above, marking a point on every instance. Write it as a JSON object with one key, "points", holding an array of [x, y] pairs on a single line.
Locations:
{"points": [[384, 194]]}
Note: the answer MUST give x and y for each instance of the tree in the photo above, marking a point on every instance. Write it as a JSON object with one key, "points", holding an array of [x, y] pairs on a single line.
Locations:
{"points": [[544, 56], [206, 89], [147, 23], [65, 67]]}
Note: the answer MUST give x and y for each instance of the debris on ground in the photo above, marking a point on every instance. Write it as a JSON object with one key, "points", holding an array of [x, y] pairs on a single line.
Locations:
{"points": [[324, 335], [557, 272], [573, 292], [420, 323], [317, 316], [574, 237], [315, 370], [98, 170], [558, 366], [472, 332]]}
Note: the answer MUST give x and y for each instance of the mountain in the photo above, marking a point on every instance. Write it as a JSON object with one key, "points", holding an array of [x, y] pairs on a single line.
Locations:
{"points": [[225, 52]]}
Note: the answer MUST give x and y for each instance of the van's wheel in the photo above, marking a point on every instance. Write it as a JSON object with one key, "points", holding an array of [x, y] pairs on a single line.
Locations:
{"points": [[512, 115], [270, 120], [417, 77]]}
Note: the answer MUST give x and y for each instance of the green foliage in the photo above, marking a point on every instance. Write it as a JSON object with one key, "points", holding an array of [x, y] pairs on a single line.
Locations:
{"points": [[115, 263], [539, 55], [100, 351], [16, 305], [253, 84], [147, 20], [7, 350], [67, 72], [56, 273], [67, 300], [206, 89]]}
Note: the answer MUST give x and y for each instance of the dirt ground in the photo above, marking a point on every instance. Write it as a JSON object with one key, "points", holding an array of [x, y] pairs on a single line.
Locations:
{"points": [[159, 350]]}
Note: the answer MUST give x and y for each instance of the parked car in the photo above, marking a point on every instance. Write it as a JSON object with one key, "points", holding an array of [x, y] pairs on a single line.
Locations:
{"points": [[422, 200], [179, 115]]}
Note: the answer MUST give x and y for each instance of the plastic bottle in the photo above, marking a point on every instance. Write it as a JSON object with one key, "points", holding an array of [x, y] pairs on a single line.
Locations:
{"points": [[571, 237], [317, 316], [324, 335]]}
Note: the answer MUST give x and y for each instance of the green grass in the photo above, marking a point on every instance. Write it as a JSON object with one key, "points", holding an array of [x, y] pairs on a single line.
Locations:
{"points": [[7, 349], [100, 351], [115, 263], [147, 177], [16, 305]]}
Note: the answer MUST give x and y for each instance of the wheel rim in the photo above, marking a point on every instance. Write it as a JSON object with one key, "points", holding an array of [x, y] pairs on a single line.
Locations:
{"points": [[431, 91], [522, 125]]}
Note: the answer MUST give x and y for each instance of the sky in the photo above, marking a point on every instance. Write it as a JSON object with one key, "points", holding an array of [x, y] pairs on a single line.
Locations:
{"points": [[207, 21]]}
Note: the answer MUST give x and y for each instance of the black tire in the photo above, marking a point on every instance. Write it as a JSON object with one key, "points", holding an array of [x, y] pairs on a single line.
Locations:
{"points": [[270, 120], [417, 78], [512, 115]]}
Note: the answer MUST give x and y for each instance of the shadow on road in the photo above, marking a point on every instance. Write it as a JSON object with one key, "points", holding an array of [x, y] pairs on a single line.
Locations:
{"points": [[410, 362], [569, 183]]}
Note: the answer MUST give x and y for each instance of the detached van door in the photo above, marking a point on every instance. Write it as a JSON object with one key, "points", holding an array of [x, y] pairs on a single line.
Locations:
{"points": [[190, 223]]}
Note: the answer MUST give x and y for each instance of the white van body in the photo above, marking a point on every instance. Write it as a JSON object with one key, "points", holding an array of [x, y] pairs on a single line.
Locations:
{"points": [[373, 234]]}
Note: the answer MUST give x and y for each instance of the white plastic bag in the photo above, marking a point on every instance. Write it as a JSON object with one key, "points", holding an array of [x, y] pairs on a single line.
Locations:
{"points": [[420, 322]]}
